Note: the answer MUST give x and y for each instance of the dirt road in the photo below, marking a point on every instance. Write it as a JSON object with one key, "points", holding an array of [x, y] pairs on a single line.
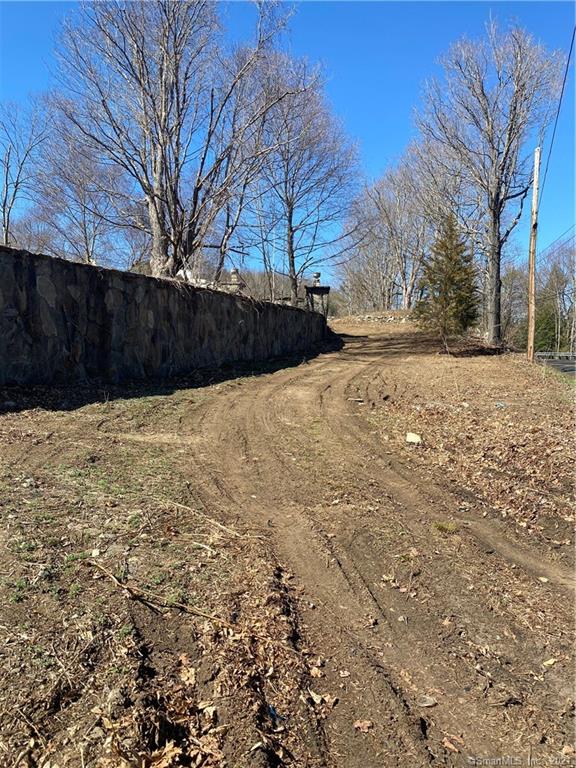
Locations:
{"points": [[441, 625]]}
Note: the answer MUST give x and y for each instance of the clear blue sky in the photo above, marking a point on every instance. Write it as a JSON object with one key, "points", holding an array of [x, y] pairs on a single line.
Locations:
{"points": [[376, 56]]}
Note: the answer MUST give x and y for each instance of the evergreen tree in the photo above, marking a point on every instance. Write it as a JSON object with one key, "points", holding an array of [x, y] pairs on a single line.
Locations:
{"points": [[449, 303]]}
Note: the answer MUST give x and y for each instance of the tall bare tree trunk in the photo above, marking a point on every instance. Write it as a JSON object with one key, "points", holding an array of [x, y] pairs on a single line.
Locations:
{"points": [[494, 284], [160, 263], [291, 260], [223, 245]]}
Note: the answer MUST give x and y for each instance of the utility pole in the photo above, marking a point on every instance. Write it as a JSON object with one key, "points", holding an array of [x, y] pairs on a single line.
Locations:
{"points": [[532, 259]]}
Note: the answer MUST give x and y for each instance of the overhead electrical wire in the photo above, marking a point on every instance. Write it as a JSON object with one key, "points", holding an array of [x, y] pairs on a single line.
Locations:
{"points": [[557, 113], [556, 240]]}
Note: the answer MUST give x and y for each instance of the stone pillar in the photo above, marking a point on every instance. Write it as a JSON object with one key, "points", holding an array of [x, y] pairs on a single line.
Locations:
{"points": [[236, 282]]}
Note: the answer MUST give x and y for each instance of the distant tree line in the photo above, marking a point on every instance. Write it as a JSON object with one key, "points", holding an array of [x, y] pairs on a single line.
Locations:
{"points": [[555, 300], [471, 160]]}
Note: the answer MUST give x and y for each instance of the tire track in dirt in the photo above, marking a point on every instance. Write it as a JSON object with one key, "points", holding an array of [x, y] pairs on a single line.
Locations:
{"points": [[488, 533], [288, 441], [353, 562], [298, 530], [234, 427], [485, 532]]}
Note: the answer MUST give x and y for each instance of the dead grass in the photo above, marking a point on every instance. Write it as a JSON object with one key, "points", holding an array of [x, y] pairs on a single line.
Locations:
{"points": [[121, 593], [446, 528], [496, 428]]}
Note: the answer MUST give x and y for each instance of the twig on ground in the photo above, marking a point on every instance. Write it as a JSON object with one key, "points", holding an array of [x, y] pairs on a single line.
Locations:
{"points": [[25, 752], [169, 502], [191, 539], [143, 595], [31, 725], [199, 544], [147, 597], [60, 663]]}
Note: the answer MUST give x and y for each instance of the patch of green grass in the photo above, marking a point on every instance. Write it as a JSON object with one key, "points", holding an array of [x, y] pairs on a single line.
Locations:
{"points": [[96, 478], [74, 589], [121, 572], [45, 518], [42, 656], [55, 591], [73, 473], [178, 596], [25, 545], [73, 557], [118, 669], [48, 574], [448, 528], [20, 591], [100, 619], [125, 630]]}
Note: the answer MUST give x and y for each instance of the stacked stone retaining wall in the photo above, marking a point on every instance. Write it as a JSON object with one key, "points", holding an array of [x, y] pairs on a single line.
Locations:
{"points": [[62, 322]]}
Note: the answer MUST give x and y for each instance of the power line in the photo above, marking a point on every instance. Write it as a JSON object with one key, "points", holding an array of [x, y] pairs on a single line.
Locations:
{"points": [[542, 251], [558, 113], [519, 257]]}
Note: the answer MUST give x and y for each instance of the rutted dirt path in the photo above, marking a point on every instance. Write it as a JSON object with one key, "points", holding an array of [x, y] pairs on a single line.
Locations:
{"points": [[442, 628], [411, 616]]}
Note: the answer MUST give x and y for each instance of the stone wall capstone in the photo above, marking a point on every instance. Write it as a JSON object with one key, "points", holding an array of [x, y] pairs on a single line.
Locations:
{"points": [[62, 322]]}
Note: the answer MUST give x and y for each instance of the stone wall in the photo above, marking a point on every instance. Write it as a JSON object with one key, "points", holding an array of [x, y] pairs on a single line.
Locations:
{"points": [[62, 322]]}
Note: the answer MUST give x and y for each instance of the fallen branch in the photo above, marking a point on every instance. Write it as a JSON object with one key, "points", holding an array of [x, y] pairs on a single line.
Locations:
{"points": [[22, 716], [168, 502], [188, 538], [144, 595]]}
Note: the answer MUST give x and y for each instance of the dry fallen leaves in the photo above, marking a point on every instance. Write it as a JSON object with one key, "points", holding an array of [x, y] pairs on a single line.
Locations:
{"points": [[426, 701], [448, 744], [316, 672], [363, 725], [515, 466], [330, 701], [187, 672], [316, 697], [165, 757]]}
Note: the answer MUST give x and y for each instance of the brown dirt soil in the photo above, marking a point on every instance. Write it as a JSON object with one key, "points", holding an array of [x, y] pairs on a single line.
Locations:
{"points": [[260, 570]]}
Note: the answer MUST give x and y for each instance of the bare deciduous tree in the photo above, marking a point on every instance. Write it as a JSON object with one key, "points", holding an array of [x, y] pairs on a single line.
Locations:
{"points": [[21, 135], [556, 295], [395, 219], [369, 275], [406, 228], [29, 233], [496, 93], [73, 202], [133, 77], [149, 86], [308, 176], [240, 139]]}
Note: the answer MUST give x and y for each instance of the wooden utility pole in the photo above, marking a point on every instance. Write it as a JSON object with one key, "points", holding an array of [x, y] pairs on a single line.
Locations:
{"points": [[532, 259]]}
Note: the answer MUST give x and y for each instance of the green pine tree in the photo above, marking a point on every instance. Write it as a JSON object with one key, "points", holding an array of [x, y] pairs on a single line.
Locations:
{"points": [[449, 303]]}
